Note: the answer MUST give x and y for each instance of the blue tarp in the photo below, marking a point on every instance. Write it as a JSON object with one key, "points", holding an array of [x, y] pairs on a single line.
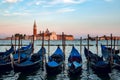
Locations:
{"points": [[15, 56], [26, 47], [105, 52], [58, 52], [75, 64], [74, 54], [25, 63], [52, 64]]}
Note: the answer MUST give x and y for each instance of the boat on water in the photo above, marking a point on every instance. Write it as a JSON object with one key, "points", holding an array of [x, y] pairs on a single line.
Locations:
{"points": [[55, 62], [106, 52], [24, 52], [32, 63], [74, 62], [97, 63], [7, 52], [113, 58], [6, 61]]}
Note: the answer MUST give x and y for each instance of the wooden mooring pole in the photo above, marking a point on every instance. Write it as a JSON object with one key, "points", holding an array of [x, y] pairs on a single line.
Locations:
{"points": [[111, 56], [48, 46], [11, 40], [43, 51], [80, 45], [88, 63], [97, 45], [19, 50], [63, 44], [114, 45]]}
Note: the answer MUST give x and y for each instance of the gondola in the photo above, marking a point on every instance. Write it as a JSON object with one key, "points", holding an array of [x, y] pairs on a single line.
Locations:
{"points": [[32, 63], [97, 63], [113, 58], [23, 52], [24, 49], [55, 63], [74, 62], [6, 63], [7, 52], [106, 52], [5, 59]]}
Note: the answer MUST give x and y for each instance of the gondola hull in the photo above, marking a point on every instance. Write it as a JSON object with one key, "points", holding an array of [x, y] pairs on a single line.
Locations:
{"points": [[55, 64], [103, 69], [75, 72], [97, 63], [74, 63], [53, 70], [32, 63], [33, 66], [113, 58], [5, 67]]}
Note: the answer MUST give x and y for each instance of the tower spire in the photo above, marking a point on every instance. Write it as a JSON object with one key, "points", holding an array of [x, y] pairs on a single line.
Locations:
{"points": [[35, 30]]}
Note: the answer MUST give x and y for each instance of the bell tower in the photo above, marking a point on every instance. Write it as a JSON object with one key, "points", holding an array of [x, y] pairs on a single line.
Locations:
{"points": [[34, 30]]}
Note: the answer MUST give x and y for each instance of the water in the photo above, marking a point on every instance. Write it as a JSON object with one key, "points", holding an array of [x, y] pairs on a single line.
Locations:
{"points": [[41, 75]]}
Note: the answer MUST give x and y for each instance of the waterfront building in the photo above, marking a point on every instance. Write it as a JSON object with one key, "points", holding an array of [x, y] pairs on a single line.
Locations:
{"points": [[67, 37]]}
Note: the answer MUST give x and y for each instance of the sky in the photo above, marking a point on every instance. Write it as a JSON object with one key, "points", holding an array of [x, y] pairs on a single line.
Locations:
{"points": [[75, 17]]}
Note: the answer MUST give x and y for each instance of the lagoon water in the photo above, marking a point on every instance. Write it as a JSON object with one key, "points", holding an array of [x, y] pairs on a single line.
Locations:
{"points": [[41, 75]]}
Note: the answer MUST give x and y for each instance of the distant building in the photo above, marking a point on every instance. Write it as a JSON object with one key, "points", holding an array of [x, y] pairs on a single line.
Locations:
{"points": [[53, 36], [109, 38], [67, 37], [48, 35]]}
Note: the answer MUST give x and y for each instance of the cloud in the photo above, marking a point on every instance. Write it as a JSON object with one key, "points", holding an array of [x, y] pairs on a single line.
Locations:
{"points": [[16, 14], [74, 1], [67, 1], [36, 2], [64, 10], [11, 1]]}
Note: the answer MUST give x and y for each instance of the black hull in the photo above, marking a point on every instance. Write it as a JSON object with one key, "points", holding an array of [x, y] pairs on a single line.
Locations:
{"points": [[5, 67], [105, 69], [75, 72], [28, 68], [53, 70]]}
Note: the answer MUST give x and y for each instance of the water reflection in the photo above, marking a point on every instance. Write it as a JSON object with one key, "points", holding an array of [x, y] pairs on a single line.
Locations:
{"points": [[50, 77], [104, 76]]}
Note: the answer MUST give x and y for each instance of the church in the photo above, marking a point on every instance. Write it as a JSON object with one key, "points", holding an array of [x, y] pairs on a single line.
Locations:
{"points": [[47, 35]]}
